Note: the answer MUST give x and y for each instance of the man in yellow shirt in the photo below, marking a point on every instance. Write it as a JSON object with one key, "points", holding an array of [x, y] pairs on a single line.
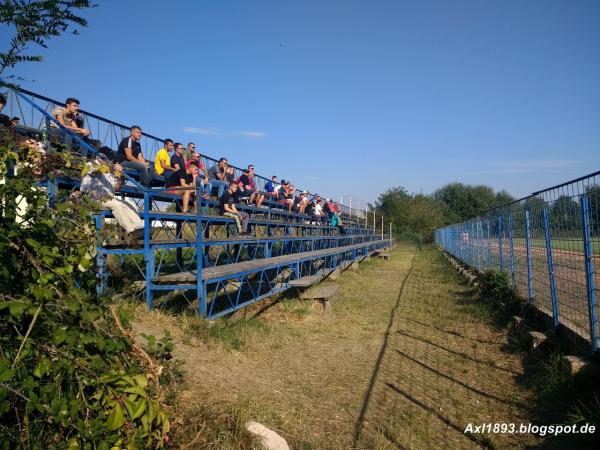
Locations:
{"points": [[162, 162]]}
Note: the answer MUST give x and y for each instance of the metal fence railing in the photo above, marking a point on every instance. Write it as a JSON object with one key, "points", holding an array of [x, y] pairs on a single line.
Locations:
{"points": [[549, 243]]}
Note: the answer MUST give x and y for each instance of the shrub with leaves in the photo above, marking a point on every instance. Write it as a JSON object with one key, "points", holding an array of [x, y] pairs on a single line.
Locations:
{"points": [[496, 286], [70, 375]]}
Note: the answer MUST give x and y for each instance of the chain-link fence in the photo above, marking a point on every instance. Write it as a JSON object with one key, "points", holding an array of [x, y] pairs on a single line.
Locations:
{"points": [[549, 242]]}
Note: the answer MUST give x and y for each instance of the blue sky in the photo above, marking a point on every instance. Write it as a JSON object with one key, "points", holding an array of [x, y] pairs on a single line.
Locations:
{"points": [[350, 97]]}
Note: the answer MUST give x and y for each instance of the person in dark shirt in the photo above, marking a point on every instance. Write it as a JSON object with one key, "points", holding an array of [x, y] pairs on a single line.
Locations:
{"points": [[227, 208], [216, 176], [183, 183], [246, 182], [178, 160], [4, 119], [129, 155]]}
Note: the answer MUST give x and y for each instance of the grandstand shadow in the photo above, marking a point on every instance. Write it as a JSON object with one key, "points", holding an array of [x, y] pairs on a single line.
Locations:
{"points": [[451, 332], [465, 385], [476, 439], [369, 393], [461, 354]]}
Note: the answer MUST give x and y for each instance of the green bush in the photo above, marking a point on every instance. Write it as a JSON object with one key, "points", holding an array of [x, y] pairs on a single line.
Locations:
{"points": [[70, 376], [496, 286]]}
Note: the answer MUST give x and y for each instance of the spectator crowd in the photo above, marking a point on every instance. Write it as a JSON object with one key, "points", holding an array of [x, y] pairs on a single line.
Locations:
{"points": [[177, 170]]}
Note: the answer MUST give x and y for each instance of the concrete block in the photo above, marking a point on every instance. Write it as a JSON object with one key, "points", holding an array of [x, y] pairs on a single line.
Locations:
{"points": [[574, 363], [537, 338]]}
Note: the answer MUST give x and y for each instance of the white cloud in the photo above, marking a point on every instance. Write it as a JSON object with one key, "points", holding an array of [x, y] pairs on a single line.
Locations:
{"points": [[251, 134], [207, 131], [212, 131]]}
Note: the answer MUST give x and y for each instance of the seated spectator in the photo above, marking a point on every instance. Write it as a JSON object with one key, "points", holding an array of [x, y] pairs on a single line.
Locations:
{"points": [[202, 178], [318, 213], [230, 174], [272, 186], [100, 182], [4, 119], [162, 161], [286, 196], [183, 182], [227, 208], [216, 176], [129, 155], [178, 160], [248, 187], [328, 208], [301, 202], [68, 116], [337, 222]]}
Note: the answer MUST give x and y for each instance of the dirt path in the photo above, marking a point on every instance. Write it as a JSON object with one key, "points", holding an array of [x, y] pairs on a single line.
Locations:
{"points": [[402, 361]]}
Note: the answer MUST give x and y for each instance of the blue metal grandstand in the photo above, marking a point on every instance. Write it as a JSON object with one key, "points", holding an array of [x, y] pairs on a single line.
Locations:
{"points": [[201, 252]]}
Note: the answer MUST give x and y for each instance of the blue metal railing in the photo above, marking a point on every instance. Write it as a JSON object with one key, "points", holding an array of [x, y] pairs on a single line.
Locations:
{"points": [[549, 243]]}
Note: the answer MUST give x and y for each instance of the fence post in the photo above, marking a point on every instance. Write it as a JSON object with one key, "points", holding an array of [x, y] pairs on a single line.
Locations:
{"points": [[480, 254], [589, 270], [512, 249], [200, 294], [148, 253], [529, 262], [489, 245], [500, 243], [550, 268]]}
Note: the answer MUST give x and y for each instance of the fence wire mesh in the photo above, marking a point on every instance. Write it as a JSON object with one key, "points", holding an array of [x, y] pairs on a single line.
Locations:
{"points": [[549, 243]]}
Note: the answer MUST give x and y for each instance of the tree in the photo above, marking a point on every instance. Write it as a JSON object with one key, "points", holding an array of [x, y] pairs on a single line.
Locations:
{"points": [[565, 214], [35, 22], [464, 201]]}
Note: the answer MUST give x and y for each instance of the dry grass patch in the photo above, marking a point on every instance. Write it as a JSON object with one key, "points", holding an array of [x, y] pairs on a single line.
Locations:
{"points": [[428, 364]]}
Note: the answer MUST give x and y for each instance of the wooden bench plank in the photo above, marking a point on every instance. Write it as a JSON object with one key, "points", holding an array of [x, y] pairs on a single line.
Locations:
{"points": [[232, 269], [321, 292], [305, 281]]}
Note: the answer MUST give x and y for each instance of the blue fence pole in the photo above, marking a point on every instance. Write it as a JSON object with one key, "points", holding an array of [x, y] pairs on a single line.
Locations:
{"points": [[200, 290], [589, 270], [148, 253], [500, 243], [512, 249], [529, 262], [551, 269], [489, 246]]}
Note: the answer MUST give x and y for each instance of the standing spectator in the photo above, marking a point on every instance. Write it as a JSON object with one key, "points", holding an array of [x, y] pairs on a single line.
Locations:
{"points": [[101, 182], [227, 208], [162, 161], [182, 183], [129, 155], [216, 176], [178, 159]]}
